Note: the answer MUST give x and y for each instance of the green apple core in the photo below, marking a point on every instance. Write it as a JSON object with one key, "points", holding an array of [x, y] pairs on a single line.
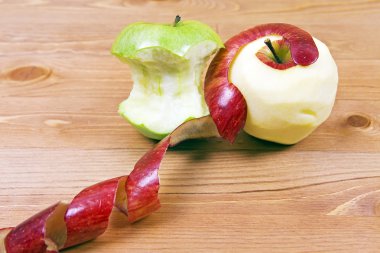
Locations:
{"points": [[167, 62]]}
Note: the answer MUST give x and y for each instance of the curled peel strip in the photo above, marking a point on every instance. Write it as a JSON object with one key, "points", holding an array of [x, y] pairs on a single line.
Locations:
{"points": [[143, 182], [43, 232], [86, 217]]}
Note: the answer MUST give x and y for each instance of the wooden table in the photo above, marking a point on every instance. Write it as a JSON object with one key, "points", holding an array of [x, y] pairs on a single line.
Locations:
{"points": [[60, 132]]}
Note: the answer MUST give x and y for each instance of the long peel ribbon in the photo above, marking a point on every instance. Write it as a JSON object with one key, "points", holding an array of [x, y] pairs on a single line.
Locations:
{"points": [[63, 225]]}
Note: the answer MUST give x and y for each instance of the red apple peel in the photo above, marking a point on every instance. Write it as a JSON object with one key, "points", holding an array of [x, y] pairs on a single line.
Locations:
{"points": [[87, 216], [61, 226], [33, 236], [226, 104], [143, 182]]}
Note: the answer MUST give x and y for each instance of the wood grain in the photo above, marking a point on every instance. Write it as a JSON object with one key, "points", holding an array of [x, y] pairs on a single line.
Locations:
{"points": [[60, 132]]}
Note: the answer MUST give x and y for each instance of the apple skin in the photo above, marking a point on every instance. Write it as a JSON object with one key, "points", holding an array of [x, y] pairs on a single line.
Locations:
{"points": [[226, 103], [87, 215], [176, 39], [143, 183], [31, 236], [62, 226]]}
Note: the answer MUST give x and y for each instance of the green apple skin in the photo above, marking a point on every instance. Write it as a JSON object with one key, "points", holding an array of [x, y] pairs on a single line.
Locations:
{"points": [[166, 62], [284, 106]]}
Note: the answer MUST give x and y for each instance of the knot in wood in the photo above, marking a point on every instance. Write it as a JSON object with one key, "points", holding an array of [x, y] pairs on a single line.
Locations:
{"points": [[358, 121], [29, 73]]}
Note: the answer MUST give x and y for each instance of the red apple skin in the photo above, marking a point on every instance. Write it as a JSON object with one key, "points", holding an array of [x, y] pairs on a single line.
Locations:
{"points": [[143, 183], [88, 214], [29, 236], [226, 104]]}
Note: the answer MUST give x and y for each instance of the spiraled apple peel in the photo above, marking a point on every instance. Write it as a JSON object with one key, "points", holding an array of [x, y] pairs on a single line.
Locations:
{"points": [[87, 216], [43, 232]]}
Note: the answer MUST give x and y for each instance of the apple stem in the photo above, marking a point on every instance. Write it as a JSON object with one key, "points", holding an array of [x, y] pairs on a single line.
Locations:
{"points": [[268, 42], [176, 20]]}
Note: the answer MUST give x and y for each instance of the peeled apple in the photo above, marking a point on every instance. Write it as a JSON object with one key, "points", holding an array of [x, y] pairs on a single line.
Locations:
{"points": [[285, 101]]}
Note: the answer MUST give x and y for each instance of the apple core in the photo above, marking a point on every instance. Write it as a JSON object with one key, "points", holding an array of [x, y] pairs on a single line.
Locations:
{"points": [[166, 61]]}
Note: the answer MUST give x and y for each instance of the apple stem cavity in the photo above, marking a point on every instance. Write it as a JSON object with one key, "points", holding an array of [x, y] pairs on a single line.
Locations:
{"points": [[176, 20], [268, 42]]}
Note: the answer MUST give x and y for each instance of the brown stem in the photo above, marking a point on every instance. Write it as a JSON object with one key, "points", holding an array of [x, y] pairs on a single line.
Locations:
{"points": [[270, 46], [176, 20]]}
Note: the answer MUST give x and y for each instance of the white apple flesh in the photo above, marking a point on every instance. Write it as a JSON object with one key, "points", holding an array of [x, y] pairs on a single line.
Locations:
{"points": [[286, 105], [166, 89]]}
